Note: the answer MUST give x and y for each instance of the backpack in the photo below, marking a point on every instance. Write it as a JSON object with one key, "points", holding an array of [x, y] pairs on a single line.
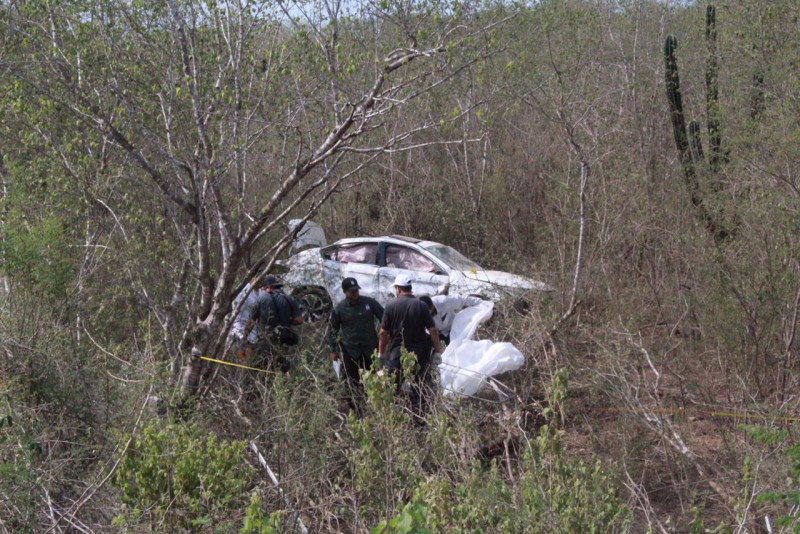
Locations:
{"points": [[287, 336], [282, 333]]}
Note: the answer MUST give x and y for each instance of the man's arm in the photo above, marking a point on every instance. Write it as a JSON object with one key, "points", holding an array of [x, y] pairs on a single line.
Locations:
{"points": [[427, 318], [437, 346], [384, 338], [247, 329], [335, 322], [297, 313], [243, 352], [377, 309], [385, 333], [253, 315]]}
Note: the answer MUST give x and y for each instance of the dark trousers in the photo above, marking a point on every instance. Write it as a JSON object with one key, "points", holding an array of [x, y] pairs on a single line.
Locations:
{"points": [[420, 383], [269, 353], [353, 362]]}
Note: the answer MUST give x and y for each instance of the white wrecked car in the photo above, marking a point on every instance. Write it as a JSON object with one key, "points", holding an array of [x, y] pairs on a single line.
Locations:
{"points": [[315, 275]]}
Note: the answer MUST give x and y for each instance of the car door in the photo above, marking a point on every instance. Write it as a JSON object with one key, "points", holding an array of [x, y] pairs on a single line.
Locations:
{"points": [[428, 276], [357, 260]]}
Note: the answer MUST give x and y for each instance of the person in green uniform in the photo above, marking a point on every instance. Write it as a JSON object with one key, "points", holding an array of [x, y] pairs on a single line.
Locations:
{"points": [[352, 331]]}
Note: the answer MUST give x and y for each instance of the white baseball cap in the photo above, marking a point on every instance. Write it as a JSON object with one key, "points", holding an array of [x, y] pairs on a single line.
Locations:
{"points": [[403, 280]]}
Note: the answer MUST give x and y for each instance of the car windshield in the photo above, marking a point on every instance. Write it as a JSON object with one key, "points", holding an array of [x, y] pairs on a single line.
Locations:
{"points": [[452, 257]]}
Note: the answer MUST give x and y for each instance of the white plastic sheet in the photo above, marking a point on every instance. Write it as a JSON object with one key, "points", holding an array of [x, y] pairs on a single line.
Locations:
{"points": [[467, 321], [337, 368], [467, 364]]}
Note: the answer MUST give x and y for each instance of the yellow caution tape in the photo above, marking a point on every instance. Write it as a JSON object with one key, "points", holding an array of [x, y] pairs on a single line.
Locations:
{"points": [[712, 413], [234, 364], [668, 411]]}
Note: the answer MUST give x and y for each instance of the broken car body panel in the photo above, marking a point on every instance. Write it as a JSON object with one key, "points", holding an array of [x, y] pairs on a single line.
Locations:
{"points": [[492, 284], [310, 235], [376, 261]]}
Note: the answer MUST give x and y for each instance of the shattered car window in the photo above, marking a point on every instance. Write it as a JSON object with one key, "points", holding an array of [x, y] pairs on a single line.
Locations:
{"points": [[453, 258], [359, 253], [405, 258]]}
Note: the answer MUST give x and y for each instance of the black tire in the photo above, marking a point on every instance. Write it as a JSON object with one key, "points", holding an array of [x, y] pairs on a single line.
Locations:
{"points": [[314, 302]]}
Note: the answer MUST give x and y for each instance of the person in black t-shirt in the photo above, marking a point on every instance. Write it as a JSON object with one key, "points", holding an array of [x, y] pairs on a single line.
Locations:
{"points": [[406, 323]]}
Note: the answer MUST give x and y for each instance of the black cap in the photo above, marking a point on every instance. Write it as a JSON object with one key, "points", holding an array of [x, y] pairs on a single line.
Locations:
{"points": [[271, 281], [350, 283]]}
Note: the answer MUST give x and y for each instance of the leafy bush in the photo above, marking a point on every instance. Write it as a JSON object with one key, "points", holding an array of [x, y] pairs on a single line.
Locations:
{"points": [[552, 492], [19, 458], [543, 491], [256, 522], [788, 494], [412, 518], [383, 460], [176, 476], [38, 255]]}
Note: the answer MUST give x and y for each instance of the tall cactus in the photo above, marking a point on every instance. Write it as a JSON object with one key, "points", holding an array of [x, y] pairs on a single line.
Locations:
{"points": [[695, 143], [712, 93], [673, 84], [690, 149]]}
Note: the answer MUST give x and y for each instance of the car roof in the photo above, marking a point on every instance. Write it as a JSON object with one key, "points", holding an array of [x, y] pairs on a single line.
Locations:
{"points": [[405, 238], [397, 239]]}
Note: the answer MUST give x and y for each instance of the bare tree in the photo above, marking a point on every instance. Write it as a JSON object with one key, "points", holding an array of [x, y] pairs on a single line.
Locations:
{"points": [[237, 114]]}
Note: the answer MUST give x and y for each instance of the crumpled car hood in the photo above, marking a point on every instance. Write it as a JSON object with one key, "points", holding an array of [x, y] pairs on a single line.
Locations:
{"points": [[492, 283]]}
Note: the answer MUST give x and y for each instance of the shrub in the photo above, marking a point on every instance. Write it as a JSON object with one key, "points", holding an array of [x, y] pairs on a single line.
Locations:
{"points": [[786, 495], [175, 476]]}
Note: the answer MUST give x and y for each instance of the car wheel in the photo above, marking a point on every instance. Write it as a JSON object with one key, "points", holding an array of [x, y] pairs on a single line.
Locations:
{"points": [[314, 302]]}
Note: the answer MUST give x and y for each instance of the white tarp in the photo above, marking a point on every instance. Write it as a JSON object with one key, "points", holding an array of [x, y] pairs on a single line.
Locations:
{"points": [[467, 364], [467, 321]]}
